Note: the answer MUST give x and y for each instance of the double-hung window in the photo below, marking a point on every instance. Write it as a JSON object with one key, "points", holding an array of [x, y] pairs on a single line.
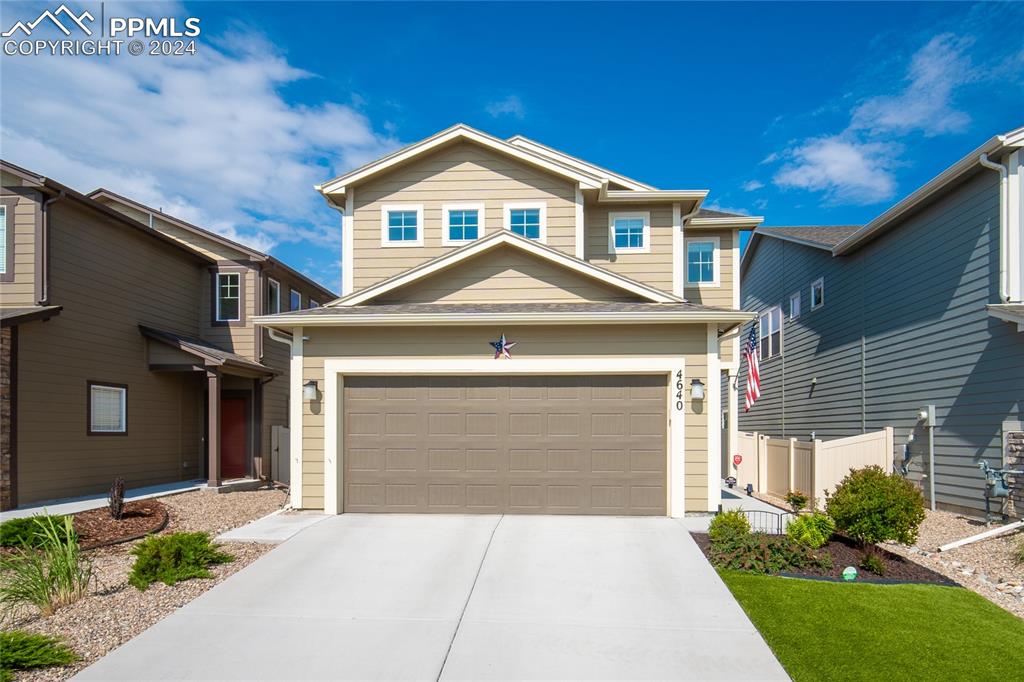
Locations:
{"points": [[794, 306], [817, 293], [462, 223], [402, 225], [702, 261], [769, 326], [294, 300], [629, 232], [527, 220], [228, 297], [108, 408], [273, 296]]}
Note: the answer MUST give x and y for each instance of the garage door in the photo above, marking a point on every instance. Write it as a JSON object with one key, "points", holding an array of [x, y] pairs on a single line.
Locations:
{"points": [[505, 444]]}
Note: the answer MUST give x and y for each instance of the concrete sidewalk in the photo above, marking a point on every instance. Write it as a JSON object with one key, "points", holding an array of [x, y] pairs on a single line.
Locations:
{"points": [[731, 499], [428, 597], [274, 528]]}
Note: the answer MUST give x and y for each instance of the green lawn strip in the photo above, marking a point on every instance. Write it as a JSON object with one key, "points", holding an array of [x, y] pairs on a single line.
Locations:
{"points": [[836, 631]]}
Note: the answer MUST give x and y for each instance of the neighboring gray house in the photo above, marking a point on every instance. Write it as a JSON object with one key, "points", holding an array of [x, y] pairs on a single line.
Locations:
{"points": [[862, 326]]}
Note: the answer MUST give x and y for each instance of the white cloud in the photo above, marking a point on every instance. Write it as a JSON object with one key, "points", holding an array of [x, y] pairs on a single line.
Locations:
{"points": [[846, 170], [926, 103], [752, 185], [209, 137], [508, 106], [715, 206]]}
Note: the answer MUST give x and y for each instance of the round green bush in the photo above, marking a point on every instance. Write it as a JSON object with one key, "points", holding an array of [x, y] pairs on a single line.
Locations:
{"points": [[872, 506], [811, 530], [727, 524]]}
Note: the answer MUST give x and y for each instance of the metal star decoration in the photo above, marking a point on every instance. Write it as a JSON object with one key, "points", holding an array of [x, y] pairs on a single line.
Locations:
{"points": [[502, 347]]}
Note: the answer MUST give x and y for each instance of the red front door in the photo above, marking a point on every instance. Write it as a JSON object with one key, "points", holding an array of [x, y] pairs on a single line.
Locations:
{"points": [[232, 437]]}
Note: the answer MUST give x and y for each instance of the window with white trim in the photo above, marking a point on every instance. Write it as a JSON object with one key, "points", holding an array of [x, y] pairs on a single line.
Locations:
{"points": [[3, 239], [794, 306], [314, 304], [402, 225], [770, 331], [817, 293], [463, 223], [108, 407], [702, 261], [294, 300], [629, 232], [527, 220], [273, 296], [229, 297]]}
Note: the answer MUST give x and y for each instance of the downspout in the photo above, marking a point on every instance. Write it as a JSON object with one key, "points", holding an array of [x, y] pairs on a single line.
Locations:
{"points": [[44, 274], [1004, 225], [341, 210], [279, 336]]}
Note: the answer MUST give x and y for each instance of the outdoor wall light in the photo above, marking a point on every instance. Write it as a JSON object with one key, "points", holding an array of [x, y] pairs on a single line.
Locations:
{"points": [[309, 390], [697, 389]]}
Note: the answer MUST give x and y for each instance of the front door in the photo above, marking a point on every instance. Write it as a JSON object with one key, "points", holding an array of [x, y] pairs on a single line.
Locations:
{"points": [[233, 438]]}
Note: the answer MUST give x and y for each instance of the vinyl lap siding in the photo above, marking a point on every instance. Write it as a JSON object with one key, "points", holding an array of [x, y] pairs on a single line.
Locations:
{"points": [[237, 339], [463, 173], [22, 222], [918, 294], [721, 295], [653, 269]]}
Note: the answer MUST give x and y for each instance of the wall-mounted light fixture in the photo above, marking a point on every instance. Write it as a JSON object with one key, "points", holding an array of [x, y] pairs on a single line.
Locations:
{"points": [[310, 390], [697, 389]]}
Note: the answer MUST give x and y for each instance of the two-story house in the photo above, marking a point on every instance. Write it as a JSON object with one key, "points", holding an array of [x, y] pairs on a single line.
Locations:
{"points": [[520, 331], [129, 347], [862, 327]]}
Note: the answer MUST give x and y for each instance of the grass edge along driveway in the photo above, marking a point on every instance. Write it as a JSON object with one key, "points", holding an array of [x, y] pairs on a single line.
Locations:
{"points": [[857, 631]]}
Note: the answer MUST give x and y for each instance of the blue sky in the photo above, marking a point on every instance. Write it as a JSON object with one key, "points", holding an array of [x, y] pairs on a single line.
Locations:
{"points": [[805, 113]]}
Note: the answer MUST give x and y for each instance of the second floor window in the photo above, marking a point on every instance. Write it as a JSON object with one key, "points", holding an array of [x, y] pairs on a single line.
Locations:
{"points": [[525, 222], [402, 225], [314, 304], [817, 294], [701, 261], [794, 306], [463, 225], [629, 232], [294, 300], [770, 331], [229, 296], [273, 297]]}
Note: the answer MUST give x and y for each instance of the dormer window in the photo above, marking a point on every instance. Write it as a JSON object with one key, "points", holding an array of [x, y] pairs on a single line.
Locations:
{"points": [[402, 225], [527, 220], [629, 232]]}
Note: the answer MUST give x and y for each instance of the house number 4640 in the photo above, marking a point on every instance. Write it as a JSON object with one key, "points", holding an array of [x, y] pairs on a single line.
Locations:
{"points": [[679, 390]]}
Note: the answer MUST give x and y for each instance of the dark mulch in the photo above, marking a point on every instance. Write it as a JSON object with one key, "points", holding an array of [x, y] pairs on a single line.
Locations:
{"points": [[96, 528], [846, 553]]}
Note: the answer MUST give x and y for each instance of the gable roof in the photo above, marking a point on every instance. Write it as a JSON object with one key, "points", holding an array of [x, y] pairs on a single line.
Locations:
{"points": [[496, 240], [211, 355], [254, 254], [818, 236], [586, 166]]}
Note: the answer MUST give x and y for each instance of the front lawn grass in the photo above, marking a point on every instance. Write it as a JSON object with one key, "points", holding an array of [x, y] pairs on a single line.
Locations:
{"points": [[838, 631]]}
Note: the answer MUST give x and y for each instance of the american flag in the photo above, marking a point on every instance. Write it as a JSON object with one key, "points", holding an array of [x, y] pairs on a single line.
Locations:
{"points": [[753, 371]]}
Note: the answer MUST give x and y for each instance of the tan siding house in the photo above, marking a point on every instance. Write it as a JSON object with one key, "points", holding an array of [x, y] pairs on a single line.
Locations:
{"points": [[519, 332], [113, 347]]}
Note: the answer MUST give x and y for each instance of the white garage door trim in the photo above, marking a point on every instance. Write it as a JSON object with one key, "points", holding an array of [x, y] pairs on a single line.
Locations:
{"points": [[335, 370]]}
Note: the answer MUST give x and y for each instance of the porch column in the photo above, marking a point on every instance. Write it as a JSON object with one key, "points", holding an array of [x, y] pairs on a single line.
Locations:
{"points": [[734, 420], [213, 428]]}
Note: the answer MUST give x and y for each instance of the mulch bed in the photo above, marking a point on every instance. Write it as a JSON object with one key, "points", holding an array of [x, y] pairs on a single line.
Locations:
{"points": [[846, 553], [96, 528]]}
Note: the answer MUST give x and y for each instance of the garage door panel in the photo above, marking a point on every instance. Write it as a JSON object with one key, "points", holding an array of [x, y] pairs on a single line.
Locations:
{"points": [[565, 444]]}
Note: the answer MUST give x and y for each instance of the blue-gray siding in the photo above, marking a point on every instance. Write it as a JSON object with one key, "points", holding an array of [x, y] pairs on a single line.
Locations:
{"points": [[903, 325]]}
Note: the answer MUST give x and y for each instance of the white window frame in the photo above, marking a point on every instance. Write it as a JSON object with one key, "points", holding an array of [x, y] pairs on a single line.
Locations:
{"points": [[384, 235], [794, 311], [446, 209], [123, 392], [310, 304], [216, 296], [761, 335], [274, 286], [542, 205], [619, 215], [297, 293], [716, 261], [820, 282]]}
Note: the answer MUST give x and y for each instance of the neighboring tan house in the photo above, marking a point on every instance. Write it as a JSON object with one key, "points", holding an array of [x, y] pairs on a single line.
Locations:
{"points": [[621, 301], [862, 326], [113, 340]]}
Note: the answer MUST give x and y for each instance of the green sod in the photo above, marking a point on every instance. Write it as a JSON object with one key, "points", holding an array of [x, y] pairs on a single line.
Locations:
{"points": [[837, 631]]}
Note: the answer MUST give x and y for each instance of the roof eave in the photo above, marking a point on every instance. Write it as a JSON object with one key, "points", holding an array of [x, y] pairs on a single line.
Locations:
{"points": [[285, 321], [739, 222]]}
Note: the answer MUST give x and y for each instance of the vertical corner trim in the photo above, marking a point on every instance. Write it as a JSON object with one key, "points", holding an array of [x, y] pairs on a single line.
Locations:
{"points": [[295, 418], [348, 241], [581, 238], [713, 400], [677, 250]]}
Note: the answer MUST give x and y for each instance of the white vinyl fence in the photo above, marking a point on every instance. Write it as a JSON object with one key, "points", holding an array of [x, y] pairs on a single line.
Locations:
{"points": [[778, 465]]}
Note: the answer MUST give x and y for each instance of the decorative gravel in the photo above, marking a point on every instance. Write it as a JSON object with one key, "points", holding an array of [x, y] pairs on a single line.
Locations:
{"points": [[986, 567], [116, 612]]}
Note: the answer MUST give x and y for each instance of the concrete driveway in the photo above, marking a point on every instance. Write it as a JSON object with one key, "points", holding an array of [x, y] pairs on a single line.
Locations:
{"points": [[389, 597]]}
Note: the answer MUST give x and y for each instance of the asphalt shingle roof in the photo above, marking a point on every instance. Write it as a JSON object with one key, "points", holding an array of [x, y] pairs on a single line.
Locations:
{"points": [[823, 235]]}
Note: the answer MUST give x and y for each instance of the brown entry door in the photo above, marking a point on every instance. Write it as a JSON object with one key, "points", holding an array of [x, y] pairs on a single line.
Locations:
{"points": [[233, 440], [506, 444]]}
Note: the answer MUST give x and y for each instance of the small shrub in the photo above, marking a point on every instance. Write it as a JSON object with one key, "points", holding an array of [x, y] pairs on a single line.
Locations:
{"points": [[872, 506], [732, 522], [873, 563], [47, 577], [797, 500], [173, 558], [115, 499], [25, 650], [762, 553], [24, 532], [811, 530]]}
